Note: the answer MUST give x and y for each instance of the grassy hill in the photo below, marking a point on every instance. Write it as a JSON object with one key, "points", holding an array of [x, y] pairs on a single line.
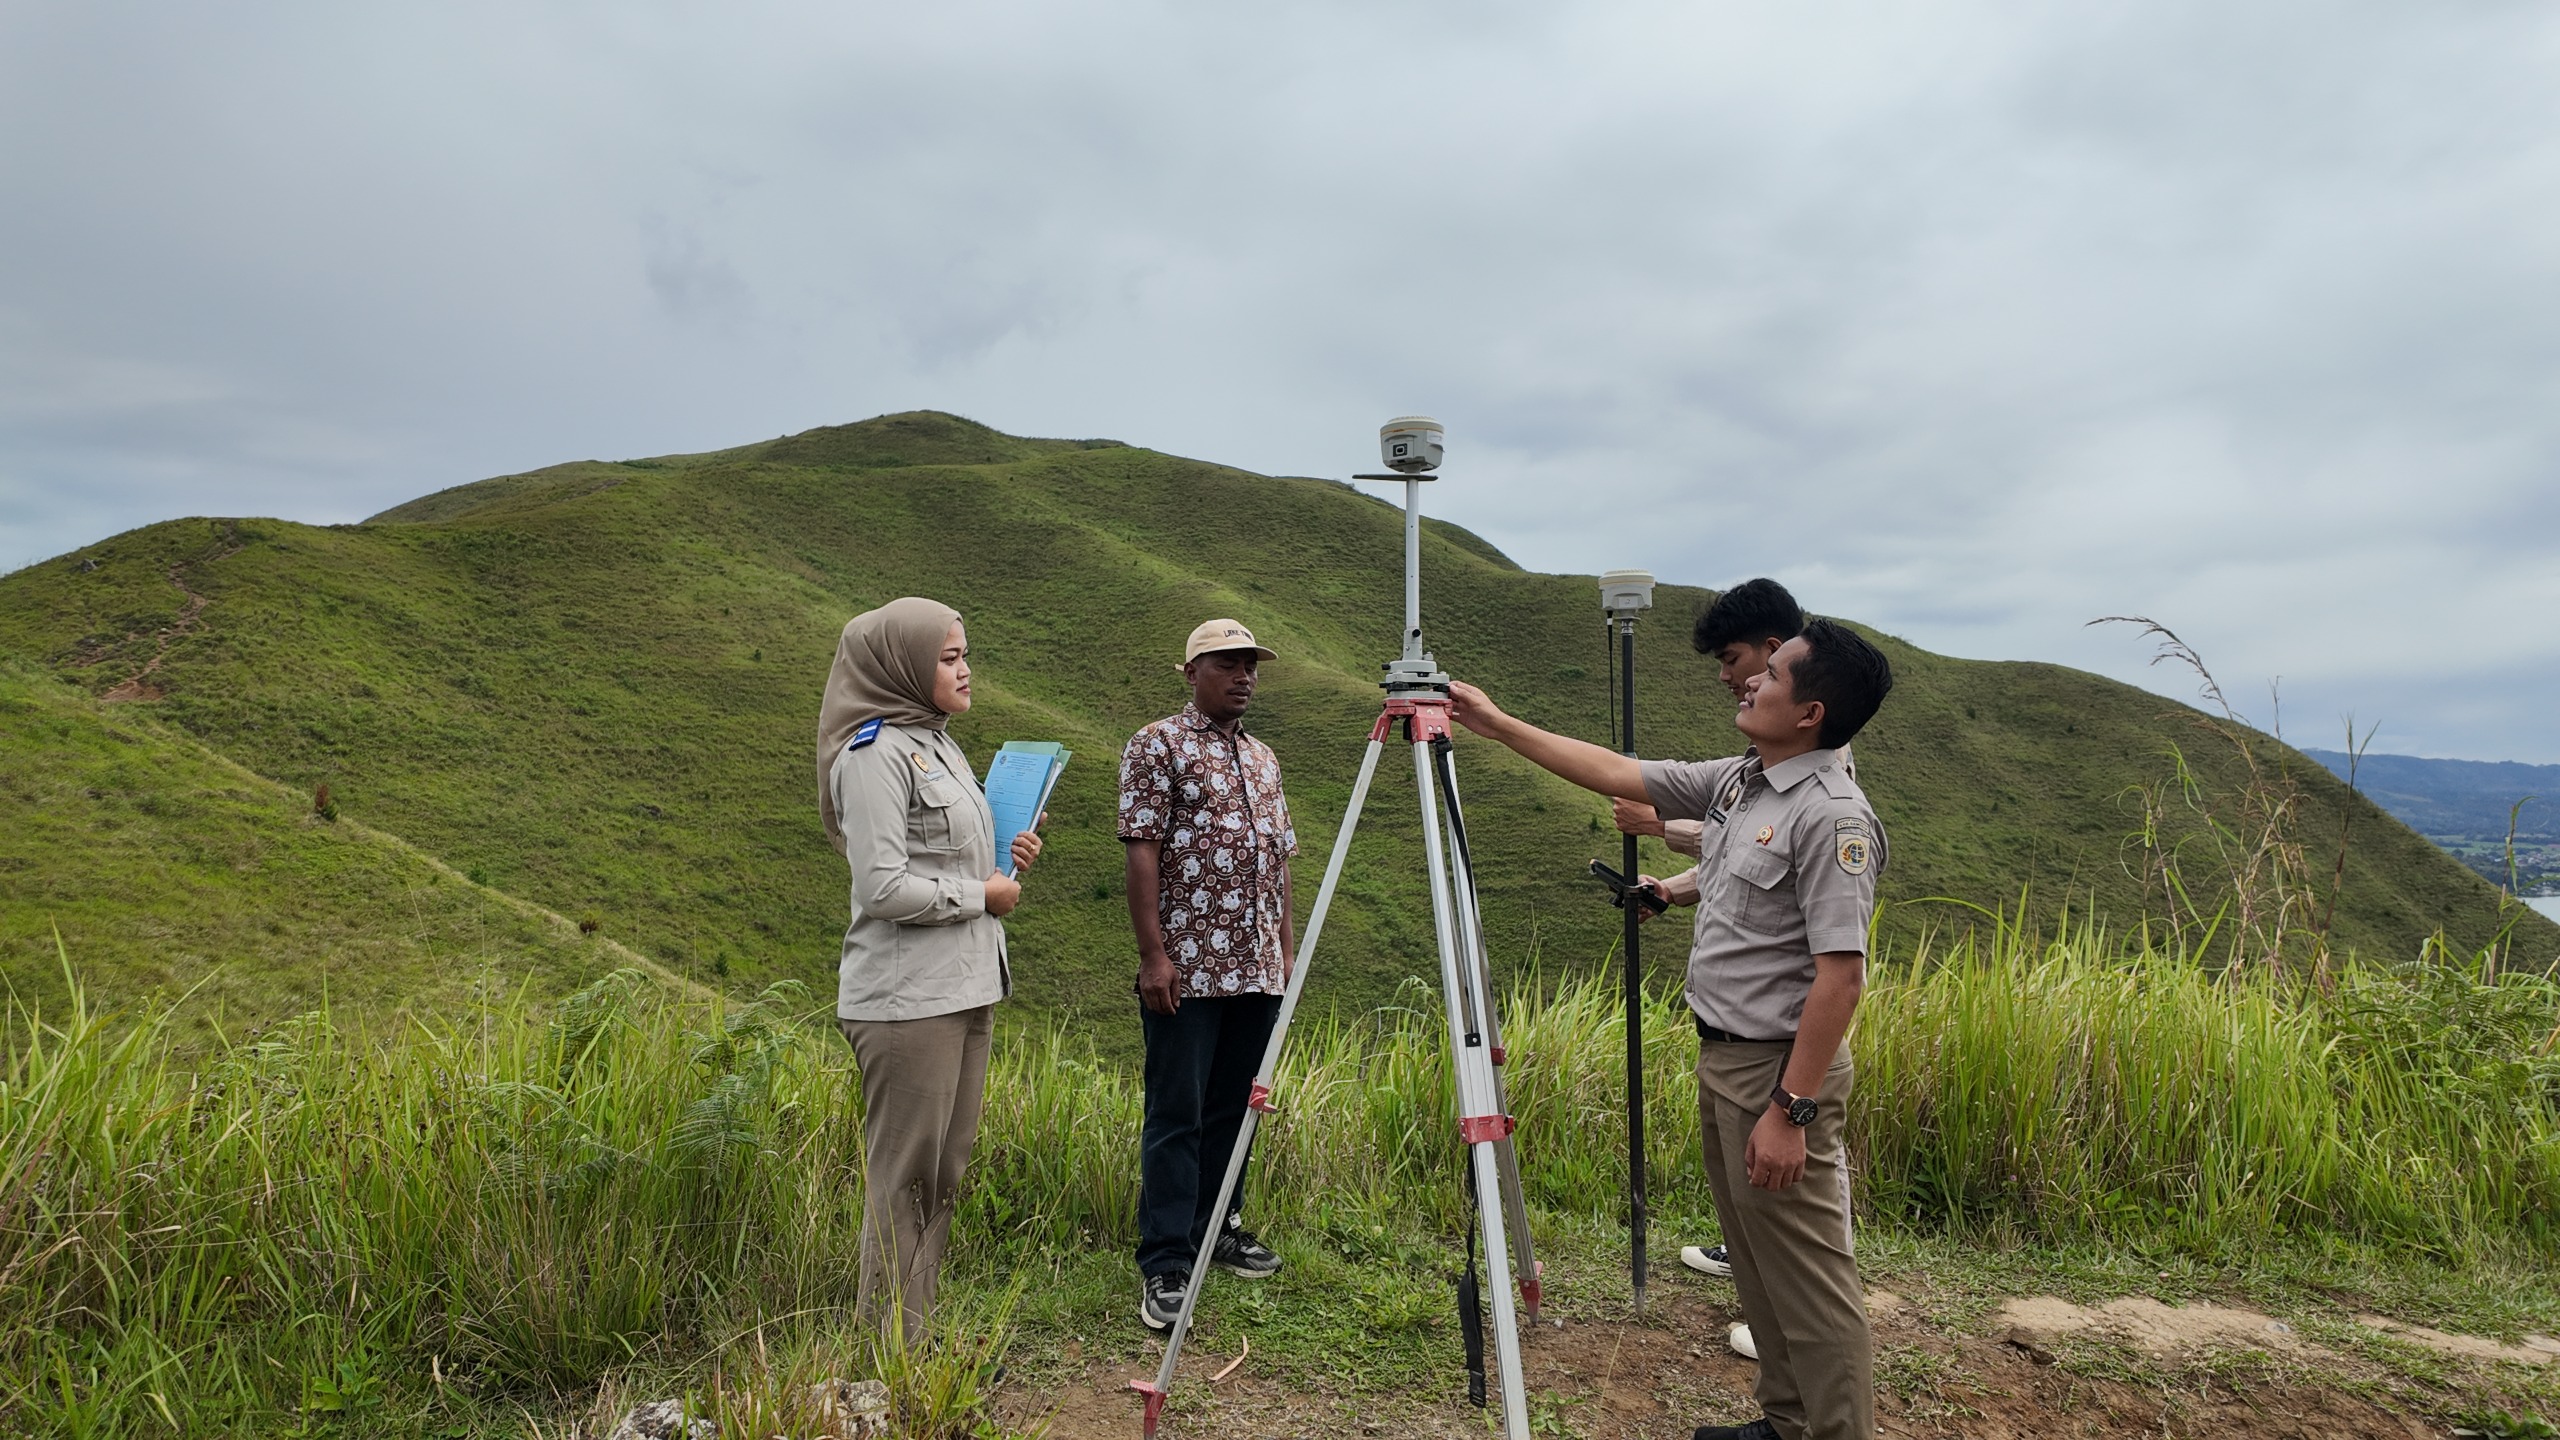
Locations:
{"points": [[594, 686], [165, 869]]}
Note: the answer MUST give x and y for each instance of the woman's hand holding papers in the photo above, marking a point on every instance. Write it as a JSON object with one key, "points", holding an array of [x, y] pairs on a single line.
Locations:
{"points": [[1026, 846], [1005, 891]]}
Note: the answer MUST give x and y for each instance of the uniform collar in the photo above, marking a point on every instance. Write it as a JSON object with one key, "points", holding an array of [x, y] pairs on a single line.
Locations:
{"points": [[1788, 774]]}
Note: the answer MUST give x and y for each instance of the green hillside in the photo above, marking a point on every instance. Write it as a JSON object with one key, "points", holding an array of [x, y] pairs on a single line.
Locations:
{"points": [[166, 869], [595, 686]]}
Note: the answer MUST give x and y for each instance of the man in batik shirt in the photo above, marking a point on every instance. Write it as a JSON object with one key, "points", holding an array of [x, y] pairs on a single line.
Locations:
{"points": [[1209, 841]]}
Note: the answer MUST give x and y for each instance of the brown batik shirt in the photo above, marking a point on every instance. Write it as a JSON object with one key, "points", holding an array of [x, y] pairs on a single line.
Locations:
{"points": [[1214, 801]]}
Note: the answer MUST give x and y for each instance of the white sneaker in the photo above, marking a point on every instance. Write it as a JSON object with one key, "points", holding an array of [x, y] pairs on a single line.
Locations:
{"points": [[1706, 1260], [1739, 1337]]}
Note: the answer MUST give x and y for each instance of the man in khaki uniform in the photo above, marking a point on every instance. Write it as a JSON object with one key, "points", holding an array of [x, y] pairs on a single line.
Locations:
{"points": [[1740, 632], [1792, 855]]}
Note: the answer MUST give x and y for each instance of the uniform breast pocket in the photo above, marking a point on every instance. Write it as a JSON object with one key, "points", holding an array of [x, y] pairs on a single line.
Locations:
{"points": [[937, 815], [1764, 892]]}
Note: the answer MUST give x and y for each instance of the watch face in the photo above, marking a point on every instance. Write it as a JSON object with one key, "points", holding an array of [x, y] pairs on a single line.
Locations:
{"points": [[1803, 1111]]}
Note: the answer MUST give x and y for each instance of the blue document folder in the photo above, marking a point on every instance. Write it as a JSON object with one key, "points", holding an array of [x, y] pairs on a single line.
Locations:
{"points": [[1019, 781]]}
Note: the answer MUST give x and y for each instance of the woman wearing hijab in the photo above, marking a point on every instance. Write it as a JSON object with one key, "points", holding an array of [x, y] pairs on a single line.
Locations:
{"points": [[924, 959]]}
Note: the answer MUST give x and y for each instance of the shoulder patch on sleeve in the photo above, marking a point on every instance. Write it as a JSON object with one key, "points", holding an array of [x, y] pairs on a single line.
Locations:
{"points": [[1855, 852], [864, 734]]}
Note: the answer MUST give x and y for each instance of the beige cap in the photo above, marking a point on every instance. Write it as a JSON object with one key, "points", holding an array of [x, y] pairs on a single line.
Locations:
{"points": [[1216, 635]]}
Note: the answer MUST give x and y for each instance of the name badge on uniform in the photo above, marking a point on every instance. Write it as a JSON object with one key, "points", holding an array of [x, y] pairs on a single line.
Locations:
{"points": [[1731, 797]]}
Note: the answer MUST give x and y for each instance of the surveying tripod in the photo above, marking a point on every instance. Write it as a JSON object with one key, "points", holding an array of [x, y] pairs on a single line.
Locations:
{"points": [[1418, 699]]}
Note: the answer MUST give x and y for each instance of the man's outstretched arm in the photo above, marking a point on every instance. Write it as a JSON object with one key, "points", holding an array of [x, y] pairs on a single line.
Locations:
{"points": [[1580, 761]]}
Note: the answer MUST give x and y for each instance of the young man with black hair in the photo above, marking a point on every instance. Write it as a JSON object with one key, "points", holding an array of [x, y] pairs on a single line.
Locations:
{"points": [[1792, 855], [1739, 631]]}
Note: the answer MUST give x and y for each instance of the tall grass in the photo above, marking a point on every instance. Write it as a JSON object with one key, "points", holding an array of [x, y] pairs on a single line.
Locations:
{"points": [[522, 1207], [2053, 1083]]}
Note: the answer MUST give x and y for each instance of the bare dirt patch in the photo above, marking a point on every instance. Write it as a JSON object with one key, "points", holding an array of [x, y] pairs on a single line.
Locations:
{"points": [[1657, 1380], [2164, 1332], [2535, 1349]]}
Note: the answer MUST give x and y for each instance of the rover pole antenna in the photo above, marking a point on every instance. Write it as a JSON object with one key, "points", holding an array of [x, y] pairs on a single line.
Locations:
{"points": [[1623, 594]]}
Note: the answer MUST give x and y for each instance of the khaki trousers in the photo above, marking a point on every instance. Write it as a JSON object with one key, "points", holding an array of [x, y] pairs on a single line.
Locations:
{"points": [[1793, 1261], [924, 1084]]}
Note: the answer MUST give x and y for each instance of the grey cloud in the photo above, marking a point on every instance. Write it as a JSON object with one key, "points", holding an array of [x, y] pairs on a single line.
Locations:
{"points": [[1974, 321], [694, 284]]}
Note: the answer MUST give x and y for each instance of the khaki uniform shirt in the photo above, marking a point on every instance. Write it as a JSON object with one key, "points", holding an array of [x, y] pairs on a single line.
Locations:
{"points": [[921, 843], [1689, 837], [1792, 856]]}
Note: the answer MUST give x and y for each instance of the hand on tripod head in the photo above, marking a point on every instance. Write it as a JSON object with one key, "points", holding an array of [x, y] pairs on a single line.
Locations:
{"points": [[1475, 710]]}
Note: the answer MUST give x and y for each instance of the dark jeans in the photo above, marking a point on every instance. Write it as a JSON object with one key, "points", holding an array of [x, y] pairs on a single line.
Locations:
{"points": [[1200, 1065]]}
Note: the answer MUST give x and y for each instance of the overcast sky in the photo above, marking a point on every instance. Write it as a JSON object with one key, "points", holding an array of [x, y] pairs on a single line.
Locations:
{"points": [[1972, 321]]}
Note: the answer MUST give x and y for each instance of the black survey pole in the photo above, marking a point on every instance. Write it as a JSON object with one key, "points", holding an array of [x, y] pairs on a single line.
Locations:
{"points": [[1622, 594], [1635, 981]]}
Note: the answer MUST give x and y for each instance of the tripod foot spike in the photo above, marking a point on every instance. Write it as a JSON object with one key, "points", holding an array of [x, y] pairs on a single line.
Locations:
{"points": [[1155, 1404]]}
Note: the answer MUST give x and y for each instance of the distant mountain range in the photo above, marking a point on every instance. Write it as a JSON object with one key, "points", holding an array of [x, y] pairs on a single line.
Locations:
{"points": [[2465, 806], [2457, 797]]}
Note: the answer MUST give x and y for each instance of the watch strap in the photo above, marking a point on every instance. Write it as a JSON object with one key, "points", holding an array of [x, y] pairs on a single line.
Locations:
{"points": [[1800, 1110]]}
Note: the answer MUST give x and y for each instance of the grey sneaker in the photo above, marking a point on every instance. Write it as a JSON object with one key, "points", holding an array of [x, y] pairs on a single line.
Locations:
{"points": [[1708, 1261], [1239, 1253], [1160, 1298]]}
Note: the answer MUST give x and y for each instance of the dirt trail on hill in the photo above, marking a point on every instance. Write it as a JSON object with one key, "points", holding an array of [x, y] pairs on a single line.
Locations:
{"points": [[138, 686], [2210, 1372]]}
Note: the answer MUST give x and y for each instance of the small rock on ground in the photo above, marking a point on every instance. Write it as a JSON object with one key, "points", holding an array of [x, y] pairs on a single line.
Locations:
{"points": [[856, 1410], [663, 1420]]}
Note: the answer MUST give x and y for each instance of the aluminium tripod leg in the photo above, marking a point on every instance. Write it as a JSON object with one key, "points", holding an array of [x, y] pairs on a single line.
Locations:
{"points": [[1260, 1104], [1481, 1121], [1479, 971]]}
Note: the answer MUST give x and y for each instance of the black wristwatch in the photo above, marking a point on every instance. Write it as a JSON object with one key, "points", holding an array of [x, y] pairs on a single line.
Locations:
{"points": [[1801, 1110]]}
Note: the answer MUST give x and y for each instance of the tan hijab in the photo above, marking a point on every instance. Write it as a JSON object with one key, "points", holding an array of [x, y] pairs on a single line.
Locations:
{"points": [[884, 671]]}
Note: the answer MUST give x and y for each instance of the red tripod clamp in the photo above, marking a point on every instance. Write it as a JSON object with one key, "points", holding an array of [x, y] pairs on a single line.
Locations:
{"points": [[1426, 717], [1477, 1129], [1155, 1403], [1260, 1099]]}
